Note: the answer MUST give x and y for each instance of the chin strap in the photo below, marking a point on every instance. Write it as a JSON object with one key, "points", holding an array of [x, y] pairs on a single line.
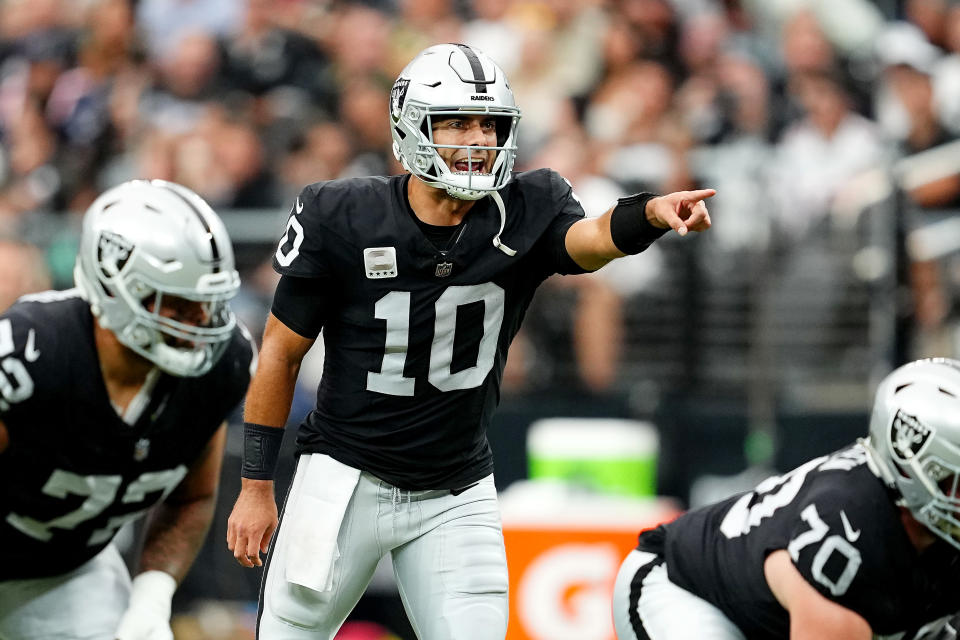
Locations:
{"points": [[876, 465], [503, 222], [874, 462]]}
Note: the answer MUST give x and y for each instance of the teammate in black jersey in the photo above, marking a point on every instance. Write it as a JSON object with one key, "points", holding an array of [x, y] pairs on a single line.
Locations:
{"points": [[113, 397], [863, 541], [419, 283]]}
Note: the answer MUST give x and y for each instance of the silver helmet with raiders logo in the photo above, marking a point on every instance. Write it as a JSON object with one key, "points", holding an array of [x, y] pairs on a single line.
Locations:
{"points": [[452, 80], [915, 441], [156, 265]]}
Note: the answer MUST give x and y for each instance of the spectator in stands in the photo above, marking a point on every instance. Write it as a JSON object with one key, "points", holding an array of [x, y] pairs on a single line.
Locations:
{"points": [[22, 271], [930, 16], [947, 73], [79, 107], [166, 23], [187, 79], [630, 112], [907, 89], [815, 156], [30, 147], [323, 152], [275, 63], [364, 101], [494, 27], [240, 154]]}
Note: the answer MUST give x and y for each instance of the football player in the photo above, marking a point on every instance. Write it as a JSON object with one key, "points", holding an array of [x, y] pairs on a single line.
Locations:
{"points": [[420, 282], [861, 542], [113, 397]]}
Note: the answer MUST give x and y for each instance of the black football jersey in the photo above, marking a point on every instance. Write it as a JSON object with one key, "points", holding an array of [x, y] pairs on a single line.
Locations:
{"points": [[416, 337], [844, 534], [74, 471]]}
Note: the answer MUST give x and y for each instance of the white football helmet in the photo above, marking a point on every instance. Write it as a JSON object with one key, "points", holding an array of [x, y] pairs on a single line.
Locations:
{"points": [[445, 80], [915, 441], [142, 241]]}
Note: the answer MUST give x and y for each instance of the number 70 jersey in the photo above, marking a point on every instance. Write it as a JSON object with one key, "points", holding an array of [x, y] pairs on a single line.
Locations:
{"points": [[844, 534], [416, 337]]}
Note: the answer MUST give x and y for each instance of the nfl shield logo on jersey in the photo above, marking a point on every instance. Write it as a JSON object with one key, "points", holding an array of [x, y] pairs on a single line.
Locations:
{"points": [[141, 449], [908, 436], [444, 269]]}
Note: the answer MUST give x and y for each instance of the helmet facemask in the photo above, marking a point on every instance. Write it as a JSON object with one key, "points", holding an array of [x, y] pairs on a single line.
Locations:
{"points": [[942, 513], [176, 345], [430, 166]]}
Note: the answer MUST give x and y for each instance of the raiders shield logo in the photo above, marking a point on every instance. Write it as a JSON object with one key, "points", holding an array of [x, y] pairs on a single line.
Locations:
{"points": [[908, 436], [113, 251], [397, 96]]}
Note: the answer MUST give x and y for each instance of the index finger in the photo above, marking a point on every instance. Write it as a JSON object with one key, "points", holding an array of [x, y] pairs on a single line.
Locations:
{"points": [[699, 194]]}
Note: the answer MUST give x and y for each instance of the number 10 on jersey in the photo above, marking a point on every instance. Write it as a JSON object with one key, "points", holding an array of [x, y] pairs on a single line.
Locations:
{"points": [[395, 309]]}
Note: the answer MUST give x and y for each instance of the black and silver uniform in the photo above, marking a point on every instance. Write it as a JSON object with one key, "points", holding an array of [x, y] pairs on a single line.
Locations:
{"points": [[844, 533], [416, 336], [74, 471]]}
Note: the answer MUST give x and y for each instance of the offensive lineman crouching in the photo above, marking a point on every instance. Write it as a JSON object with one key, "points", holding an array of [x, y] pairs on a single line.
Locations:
{"points": [[113, 398], [863, 541]]}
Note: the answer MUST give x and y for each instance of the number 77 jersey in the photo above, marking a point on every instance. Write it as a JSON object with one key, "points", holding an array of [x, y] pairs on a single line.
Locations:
{"points": [[416, 336], [844, 534], [75, 471]]}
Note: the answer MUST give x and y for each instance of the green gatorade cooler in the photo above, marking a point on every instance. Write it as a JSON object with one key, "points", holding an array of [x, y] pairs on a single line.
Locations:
{"points": [[603, 454]]}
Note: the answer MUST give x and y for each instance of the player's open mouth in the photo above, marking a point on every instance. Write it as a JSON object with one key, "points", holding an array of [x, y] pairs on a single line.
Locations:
{"points": [[465, 166]]}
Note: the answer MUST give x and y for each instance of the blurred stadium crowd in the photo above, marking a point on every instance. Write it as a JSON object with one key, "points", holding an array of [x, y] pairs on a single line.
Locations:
{"points": [[245, 101], [778, 104]]}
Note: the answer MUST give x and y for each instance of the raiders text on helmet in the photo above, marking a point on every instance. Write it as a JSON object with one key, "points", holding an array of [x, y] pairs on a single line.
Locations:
{"points": [[143, 241]]}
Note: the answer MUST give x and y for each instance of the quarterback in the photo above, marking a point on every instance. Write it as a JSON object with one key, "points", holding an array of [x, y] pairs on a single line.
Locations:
{"points": [[861, 543], [113, 397], [419, 282]]}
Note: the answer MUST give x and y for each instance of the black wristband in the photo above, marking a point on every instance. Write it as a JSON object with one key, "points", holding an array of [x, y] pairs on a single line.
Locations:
{"points": [[629, 228], [261, 448]]}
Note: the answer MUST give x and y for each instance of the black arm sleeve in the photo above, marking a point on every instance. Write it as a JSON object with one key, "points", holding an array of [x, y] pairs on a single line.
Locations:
{"points": [[302, 304]]}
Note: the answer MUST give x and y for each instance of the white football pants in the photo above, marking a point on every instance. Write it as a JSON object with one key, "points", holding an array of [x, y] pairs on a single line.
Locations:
{"points": [[84, 604], [647, 606], [448, 559]]}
